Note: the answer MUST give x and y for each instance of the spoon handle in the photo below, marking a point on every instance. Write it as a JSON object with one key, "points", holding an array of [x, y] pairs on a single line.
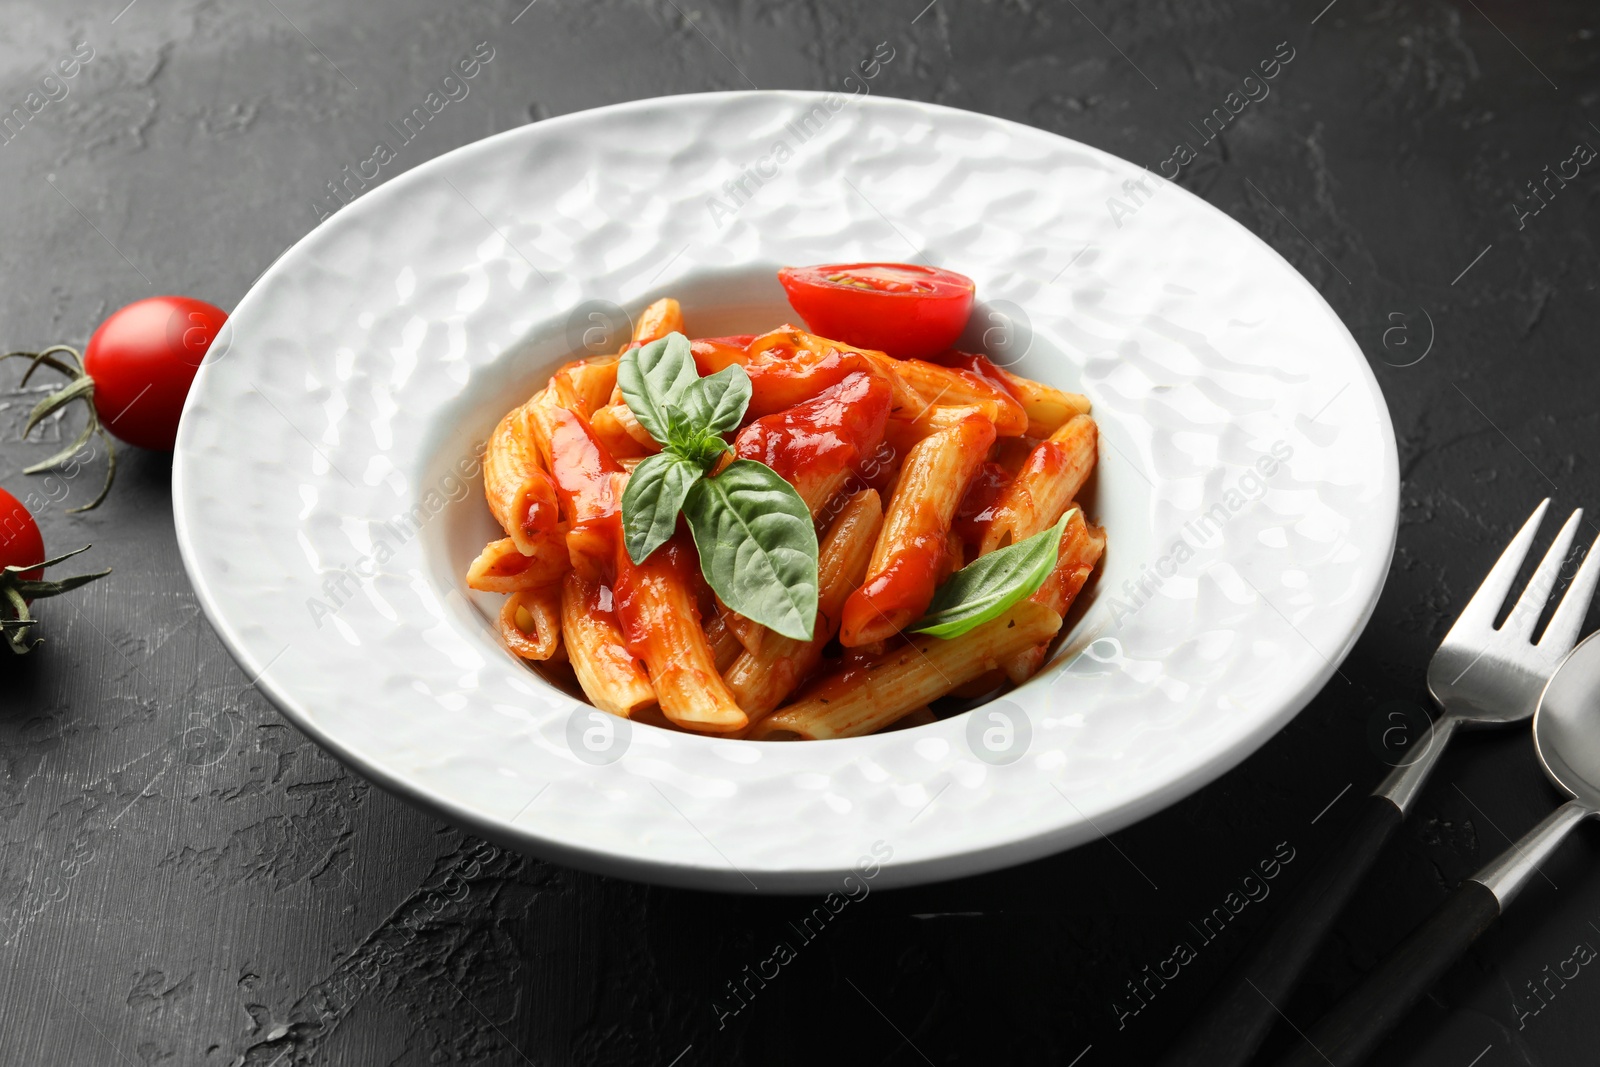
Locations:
{"points": [[1239, 1015], [1348, 1034]]}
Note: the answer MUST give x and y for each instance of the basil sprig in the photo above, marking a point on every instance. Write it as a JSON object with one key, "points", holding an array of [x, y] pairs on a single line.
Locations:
{"points": [[757, 544], [986, 587]]}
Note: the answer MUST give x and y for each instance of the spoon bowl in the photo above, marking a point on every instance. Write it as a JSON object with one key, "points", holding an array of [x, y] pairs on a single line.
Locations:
{"points": [[1566, 728]]}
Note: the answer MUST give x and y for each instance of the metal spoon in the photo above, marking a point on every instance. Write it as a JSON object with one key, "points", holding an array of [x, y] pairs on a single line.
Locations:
{"points": [[1566, 735], [1482, 675]]}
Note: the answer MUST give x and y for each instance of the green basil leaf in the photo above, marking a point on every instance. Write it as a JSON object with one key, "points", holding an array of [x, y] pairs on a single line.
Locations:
{"points": [[715, 404], [986, 587], [651, 501], [758, 547], [653, 379]]}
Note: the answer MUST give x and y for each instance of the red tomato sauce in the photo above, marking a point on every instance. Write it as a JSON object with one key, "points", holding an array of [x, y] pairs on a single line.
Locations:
{"points": [[781, 373], [977, 506], [712, 354], [977, 365], [542, 515], [642, 597], [1045, 461], [834, 430], [907, 580], [582, 468]]}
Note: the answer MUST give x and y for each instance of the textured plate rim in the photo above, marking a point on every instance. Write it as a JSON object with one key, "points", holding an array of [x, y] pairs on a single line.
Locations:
{"points": [[998, 851]]}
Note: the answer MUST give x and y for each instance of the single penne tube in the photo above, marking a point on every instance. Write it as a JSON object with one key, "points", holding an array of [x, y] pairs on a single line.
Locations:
{"points": [[1047, 482], [586, 384], [872, 695], [725, 646], [749, 633], [1079, 551], [656, 605], [961, 388], [504, 568], [905, 403], [611, 677], [540, 410], [914, 540], [521, 495], [621, 433], [987, 682], [1047, 408], [817, 489], [761, 678], [902, 434], [922, 716], [656, 321], [530, 622], [589, 482], [651, 716]]}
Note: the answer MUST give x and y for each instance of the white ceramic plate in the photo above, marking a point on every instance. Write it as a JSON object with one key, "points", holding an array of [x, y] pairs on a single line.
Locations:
{"points": [[326, 528]]}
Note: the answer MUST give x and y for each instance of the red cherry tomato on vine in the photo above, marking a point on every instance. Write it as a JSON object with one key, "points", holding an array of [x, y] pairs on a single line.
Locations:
{"points": [[143, 359], [908, 311], [21, 546], [20, 542]]}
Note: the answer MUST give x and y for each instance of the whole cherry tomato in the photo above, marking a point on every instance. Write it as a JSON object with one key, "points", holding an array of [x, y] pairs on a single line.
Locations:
{"points": [[143, 359], [22, 547], [908, 311], [20, 542]]}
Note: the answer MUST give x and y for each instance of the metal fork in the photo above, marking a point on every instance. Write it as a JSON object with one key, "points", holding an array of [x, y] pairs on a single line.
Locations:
{"points": [[1480, 676]]}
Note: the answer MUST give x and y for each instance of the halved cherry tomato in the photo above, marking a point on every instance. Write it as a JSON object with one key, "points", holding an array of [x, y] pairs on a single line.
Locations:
{"points": [[143, 359], [908, 311]]}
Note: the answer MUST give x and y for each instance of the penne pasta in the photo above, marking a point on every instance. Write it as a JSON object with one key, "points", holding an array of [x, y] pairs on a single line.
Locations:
{"points": [[656, 321], [1080, 549], [530, 622], [761, 678], [610, 675], [875, 694], [621, 433], [912, 467], [817, 445], [1047, 408], [656, 605], [903, 434], [749, 633], [586, 385], [503, 568], [788, 367], [1049, 479], [725, 646], [589, 483], [958, 387], [983, 684], [521, 496], [913, 543], [922, 716]]}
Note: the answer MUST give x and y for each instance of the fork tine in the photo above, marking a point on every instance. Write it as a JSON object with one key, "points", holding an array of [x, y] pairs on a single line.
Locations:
{"points": [[1485, 604], [1567, 622], [1525, 614]]}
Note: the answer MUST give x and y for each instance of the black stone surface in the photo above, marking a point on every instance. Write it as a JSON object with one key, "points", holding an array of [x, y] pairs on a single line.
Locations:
{"points": [[185, 879]]}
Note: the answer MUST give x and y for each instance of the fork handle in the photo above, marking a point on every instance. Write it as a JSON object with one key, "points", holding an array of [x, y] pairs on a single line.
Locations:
{"points": [[1232, 1026], [1348, 1034]]}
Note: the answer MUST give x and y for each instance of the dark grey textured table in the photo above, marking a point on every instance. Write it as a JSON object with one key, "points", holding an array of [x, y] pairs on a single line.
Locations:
{"points": [[185, 879]]}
